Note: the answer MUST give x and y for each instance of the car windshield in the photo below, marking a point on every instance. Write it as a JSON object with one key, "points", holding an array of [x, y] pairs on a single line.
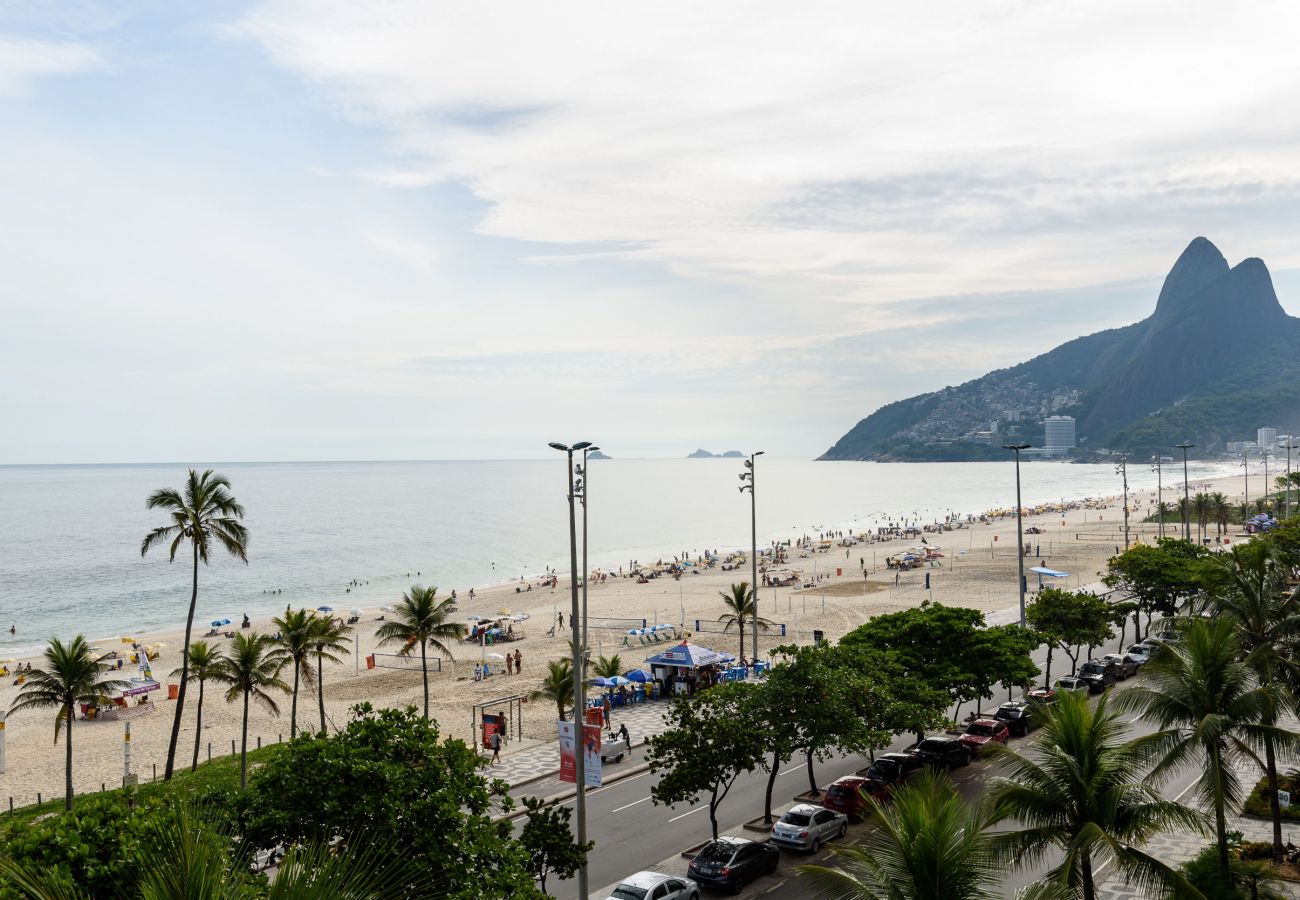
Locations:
{"points": [[629, 892], [981, 730], [715, 852], [884, 765], [838, 790], [932, 746], [1092, 668], [794, 818]]}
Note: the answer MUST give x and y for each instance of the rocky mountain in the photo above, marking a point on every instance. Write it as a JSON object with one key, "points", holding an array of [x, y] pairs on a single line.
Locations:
{"points": [[705, 454], [1218, 358]]}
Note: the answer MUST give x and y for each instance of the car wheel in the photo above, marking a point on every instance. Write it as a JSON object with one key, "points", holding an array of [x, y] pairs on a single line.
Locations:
{"points": [[844, 829], [816, 845], [738, 885], [967, 758]]}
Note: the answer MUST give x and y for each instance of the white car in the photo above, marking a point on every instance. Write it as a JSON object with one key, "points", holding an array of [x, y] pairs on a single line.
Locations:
{"points": [[656, 886], [807, 827]]}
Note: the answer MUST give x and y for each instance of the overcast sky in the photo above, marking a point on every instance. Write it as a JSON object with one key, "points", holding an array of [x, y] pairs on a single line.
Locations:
{"points": [[343, 230]]}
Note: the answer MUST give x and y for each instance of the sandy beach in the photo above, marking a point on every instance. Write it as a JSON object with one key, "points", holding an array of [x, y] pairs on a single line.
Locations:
{"points": [[978, 570]]}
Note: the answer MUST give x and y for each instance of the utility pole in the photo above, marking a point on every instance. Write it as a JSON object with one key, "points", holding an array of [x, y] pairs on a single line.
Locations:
{"points": [[1160, 496], [1187, 503], [748, 476], [1122, 470], [1020, 530]]}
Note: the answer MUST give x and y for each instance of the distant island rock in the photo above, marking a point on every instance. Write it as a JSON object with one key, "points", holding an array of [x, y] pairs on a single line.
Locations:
{"points": [[597, 454], [705, 454], [1217, 359]]}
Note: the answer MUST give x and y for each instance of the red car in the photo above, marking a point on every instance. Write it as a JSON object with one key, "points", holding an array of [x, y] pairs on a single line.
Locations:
{"points": [[845, 795], [982, 732]]}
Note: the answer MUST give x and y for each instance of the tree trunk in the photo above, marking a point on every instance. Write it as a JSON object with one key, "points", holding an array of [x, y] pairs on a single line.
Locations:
{"points": [[771, 781], [243, 749], [320, 688], [740, 622], [293, 706], [1220, 823], [1275, 809], [812, 781], [1085, 864], [1048, 676], [713, 811], [1123, 630], [424, 667], [185, 669], [67, 765], [198, 727], [1074, 661], [560, 705]]}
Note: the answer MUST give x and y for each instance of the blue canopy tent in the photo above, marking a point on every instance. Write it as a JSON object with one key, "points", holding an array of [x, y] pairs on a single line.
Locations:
{"points": [[1043, 571], [686, 659]]}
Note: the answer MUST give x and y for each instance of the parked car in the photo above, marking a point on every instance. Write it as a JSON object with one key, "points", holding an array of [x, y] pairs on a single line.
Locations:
{"points": [[944, 752], [1124, 665], [1043, 695], [807, 827], [1071, 684], [731, 863], [656, 886], [1139, 653], [1018, 717], [893, 768], [1098, 675], [981, 733], [845, 795]]}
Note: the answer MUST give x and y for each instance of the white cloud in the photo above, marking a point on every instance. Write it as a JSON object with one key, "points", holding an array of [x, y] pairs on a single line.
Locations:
{"points": [[22, 60]]}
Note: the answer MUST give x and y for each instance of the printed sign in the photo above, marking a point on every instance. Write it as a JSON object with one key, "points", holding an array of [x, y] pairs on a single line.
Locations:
{"points": [[591, 756], [1284, 799]]}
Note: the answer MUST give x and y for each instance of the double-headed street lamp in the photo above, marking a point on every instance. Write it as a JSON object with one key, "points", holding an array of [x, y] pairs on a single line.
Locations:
{"points": [[1187, 503], [1244, 456], [1020, 530], [1121, 469], [579, 695], [583, 490], [1160, 495], [1289, 447], [748, 476]]}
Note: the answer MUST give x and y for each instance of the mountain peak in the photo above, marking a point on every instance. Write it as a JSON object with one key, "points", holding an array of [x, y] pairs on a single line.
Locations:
{"points": [[1196, 267]]}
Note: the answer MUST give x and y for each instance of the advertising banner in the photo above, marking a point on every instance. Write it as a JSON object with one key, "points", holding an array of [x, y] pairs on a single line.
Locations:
{"points": [[567, 732]]}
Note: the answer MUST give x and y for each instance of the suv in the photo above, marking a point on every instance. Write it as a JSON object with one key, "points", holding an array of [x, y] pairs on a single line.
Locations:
{"points": [[1098, 675], [942, 751], [1017, 717], [845, 795], [893, 768], [731, 862], [1124, 665], [982, 732], [656, 886], [805, 827], [1071, 684]]}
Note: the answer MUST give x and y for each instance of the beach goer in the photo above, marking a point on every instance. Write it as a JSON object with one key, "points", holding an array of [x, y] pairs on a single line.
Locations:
{"points": [[496, 747], [510, 661], [13, 629], [519, 662], [622, 732], [561, 617]]}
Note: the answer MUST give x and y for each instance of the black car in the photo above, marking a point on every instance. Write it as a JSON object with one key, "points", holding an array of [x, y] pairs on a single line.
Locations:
{"points": [[945, 752], [1018, 717], [1098, 674], [731, 862], [893, 768]]}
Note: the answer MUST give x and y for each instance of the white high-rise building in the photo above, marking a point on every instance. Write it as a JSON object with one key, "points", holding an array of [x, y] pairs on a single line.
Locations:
{"points": [[1266, 438], [1058, 433]]}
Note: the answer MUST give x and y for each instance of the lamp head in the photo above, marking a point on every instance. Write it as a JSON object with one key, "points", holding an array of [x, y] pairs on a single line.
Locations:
{"points": [[759, 452], [582, 445], [558, 446], [1016, 446]]}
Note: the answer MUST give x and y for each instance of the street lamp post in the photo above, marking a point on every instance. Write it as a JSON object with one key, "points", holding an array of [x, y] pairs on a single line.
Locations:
{"points": [[1122, 471], [1245, 472], [583, 489], [1289, 447], [1187, 503], [579, 695], [1264, 453], [1160, 497], [748, 476], [1020, 530]]}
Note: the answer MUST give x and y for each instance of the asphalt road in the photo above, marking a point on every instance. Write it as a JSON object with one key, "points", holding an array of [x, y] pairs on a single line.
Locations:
{"points": [[633, 833]]}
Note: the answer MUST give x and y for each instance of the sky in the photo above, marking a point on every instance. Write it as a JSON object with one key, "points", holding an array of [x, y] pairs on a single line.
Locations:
{"points": [[409, 230]]}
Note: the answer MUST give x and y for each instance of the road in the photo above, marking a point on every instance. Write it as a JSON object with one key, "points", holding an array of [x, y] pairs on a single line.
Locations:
{"points": [[633, 833]]}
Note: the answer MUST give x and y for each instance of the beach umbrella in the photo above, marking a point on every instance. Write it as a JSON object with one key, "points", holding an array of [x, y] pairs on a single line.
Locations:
{"points": [[474, 618], [601, 682], [663, 625], [634, 631], [496, 656], [127, 639], [503, 611], [356, 612], [618, 681], [324, 609], [638, 675], [216, 623]]}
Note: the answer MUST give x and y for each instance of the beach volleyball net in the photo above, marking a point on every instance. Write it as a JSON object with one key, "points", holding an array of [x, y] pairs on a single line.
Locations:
{"points": [[409, 661], [615, 624]]}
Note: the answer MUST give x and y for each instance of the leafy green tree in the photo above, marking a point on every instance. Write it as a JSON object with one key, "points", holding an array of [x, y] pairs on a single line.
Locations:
{"points": [[1120, 612], [549, 841], [1069, 620], [557, 685], [928, 844], [391, 772], [204, 659], [329, 644], [739, 601], [608, 666], [70, 675], [1211, 711], [251, 671], [1081, 788], [206, 516], [710, 740], [297, 636], [421, 619], [1159, 577]]}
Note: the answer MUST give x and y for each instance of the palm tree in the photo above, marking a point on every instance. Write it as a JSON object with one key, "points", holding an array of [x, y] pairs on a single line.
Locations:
{"points": [[252, 671], [297, 636], [203, 661], [1247, 586], [1212, 711], [608, 666], [1221, 509], [739, 600], [330, 644], [206, 515], [421, 619], [928, 844], [1083, 790], [1201, 507], [557, 686], [71, 675]]}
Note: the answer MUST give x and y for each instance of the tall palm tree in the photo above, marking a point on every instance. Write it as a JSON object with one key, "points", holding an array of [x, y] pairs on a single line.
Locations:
{"points": [[203, 661], [251, 671], [1212, 711], [1201, 508], [330, 645], [1248, 586], [297, 636], [72, 674], [557, 685], [608, 666], [928, 844], [1221, 509], [1082, 789], [206, 515], [421, 618], [739, 600]]}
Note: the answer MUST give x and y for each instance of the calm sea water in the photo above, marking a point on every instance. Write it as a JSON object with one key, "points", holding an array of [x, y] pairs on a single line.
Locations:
{"points": [[70, 535]]}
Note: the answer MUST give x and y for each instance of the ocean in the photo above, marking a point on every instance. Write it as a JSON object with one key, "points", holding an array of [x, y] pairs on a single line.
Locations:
{"points": [[70, 535]]}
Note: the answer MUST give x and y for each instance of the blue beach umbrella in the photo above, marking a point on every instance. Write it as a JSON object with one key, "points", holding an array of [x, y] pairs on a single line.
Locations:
{"points": [[639, 676], [601, 682], [324, 609], [618, 681]]}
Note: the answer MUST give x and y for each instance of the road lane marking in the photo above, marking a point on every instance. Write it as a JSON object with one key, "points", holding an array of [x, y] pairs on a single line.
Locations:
{"points": [[630, 805], [685, 814]]}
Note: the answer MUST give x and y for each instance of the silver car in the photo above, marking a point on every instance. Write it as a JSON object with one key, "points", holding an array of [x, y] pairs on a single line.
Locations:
{"points": [[1125, 664], [807, 827], [656, 886]]}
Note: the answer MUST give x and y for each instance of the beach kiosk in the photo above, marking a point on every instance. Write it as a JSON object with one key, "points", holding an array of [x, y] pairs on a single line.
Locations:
{"points": [[685, 667]]}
